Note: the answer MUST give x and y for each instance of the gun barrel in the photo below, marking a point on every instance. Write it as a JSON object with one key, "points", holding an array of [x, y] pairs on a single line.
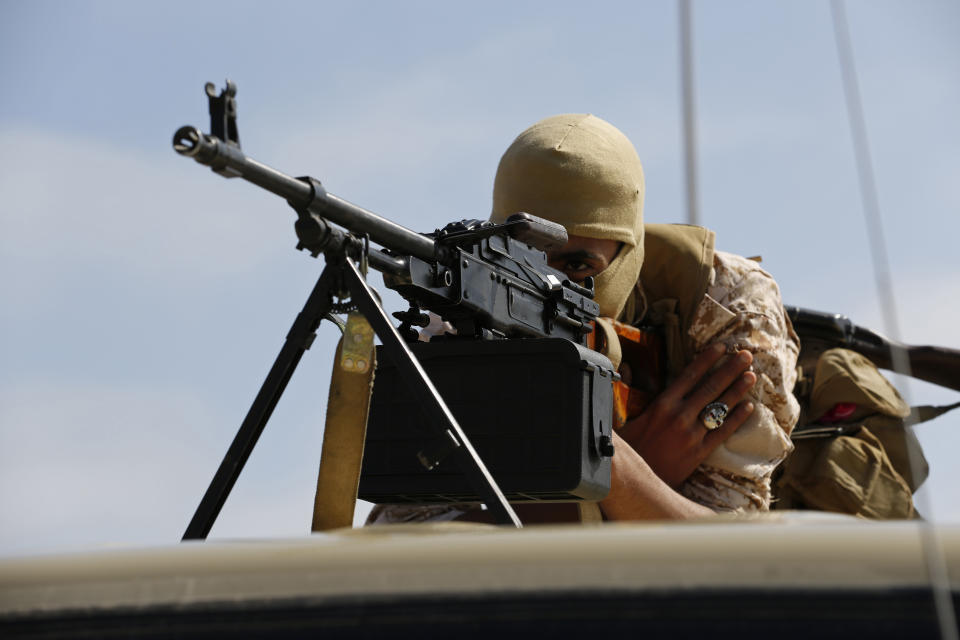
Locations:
{"points": [[822, 325], [938, 365], [301, 193]]}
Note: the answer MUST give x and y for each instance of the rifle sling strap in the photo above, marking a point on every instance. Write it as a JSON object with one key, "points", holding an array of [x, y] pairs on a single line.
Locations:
{"points": [[343, 439]]}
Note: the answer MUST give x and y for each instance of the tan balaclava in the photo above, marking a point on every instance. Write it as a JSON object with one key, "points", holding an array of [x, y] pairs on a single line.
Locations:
{"points": [[582, 172]]}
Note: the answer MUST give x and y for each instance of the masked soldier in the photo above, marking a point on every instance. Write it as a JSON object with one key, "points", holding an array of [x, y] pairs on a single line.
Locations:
{"points": [[720, 408]]}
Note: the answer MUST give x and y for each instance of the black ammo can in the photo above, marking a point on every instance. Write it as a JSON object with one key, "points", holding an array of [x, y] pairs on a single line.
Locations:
{"points": [[537, 411]]}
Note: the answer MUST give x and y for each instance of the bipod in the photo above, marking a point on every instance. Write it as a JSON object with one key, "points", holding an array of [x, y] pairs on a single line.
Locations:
{"points": [[340, 274]]}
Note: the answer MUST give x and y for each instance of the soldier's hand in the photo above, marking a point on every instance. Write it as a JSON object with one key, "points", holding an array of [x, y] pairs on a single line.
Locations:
{"points": [[670, 434]]}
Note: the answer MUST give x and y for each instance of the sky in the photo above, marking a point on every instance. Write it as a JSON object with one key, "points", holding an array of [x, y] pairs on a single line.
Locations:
{"points": [[145, 298]]}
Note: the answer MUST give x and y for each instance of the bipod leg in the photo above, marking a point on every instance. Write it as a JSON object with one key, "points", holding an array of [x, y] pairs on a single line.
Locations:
{"points": [[298, 340], [438, 414]]}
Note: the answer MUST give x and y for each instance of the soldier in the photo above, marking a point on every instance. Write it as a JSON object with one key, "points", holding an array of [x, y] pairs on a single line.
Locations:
{"points": [[719, 425], [674, 459]]}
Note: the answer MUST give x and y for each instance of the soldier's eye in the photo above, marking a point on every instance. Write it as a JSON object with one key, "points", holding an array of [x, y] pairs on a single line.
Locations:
{"points": [[577, 266]]}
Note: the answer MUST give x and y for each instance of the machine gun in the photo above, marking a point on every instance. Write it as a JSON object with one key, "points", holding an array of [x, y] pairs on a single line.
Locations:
{"points": [[491, 282]]}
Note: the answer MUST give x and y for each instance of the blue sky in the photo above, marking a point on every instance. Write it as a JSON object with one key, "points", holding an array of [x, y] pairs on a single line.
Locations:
{"points": [[145, 298]]}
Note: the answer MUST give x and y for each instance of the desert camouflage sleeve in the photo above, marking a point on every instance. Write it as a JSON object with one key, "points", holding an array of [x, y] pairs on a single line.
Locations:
{"points": [[742, 309]]}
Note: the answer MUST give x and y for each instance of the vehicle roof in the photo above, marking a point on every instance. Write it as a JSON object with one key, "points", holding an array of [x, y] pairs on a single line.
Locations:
{"points": [[769, 553]]}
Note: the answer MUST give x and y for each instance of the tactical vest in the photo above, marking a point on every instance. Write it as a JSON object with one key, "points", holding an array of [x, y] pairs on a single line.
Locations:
{"points": [[870, 465], [676, 270]]}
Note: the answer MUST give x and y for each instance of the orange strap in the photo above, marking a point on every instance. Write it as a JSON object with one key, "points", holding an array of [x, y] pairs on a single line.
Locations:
{"points": [[642, 368]]}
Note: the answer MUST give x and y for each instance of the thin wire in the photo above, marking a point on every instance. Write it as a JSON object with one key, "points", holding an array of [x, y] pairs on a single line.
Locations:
{"points": [[689, 117], [929, 541]]}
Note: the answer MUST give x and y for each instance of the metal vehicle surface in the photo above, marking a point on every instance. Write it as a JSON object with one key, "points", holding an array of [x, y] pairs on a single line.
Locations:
{"points": [[783, 575]]}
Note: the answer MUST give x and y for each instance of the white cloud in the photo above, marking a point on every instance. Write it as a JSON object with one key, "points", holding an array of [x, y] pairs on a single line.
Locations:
{"points": [[85, 464], [724, 133], [425, 145], [72, 200], [928, 305]]}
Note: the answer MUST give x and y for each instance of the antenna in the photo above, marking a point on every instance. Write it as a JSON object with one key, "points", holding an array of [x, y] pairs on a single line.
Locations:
{"points": [[689, 116]]}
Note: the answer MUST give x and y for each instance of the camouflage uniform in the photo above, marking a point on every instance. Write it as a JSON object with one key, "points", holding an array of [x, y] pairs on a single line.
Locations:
{"points": [[742, 309]]}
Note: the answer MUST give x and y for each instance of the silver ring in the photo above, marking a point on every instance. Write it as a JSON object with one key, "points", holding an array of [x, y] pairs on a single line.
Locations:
{"points": [[714, 414]]}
